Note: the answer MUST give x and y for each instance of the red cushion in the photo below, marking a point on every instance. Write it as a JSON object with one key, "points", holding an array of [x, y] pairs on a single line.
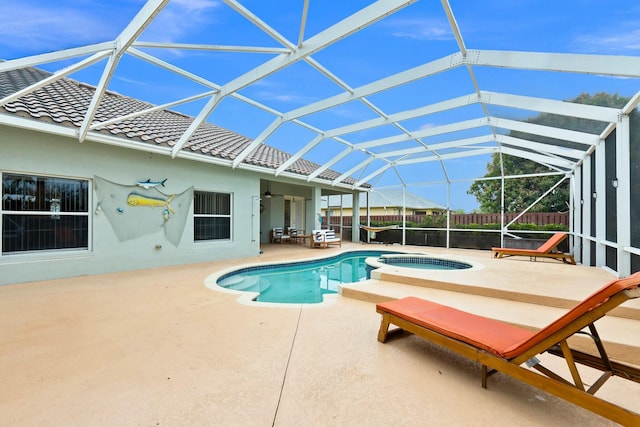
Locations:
{"points": [[550, 244], [488, 334], [594, 300], [546, 247]]}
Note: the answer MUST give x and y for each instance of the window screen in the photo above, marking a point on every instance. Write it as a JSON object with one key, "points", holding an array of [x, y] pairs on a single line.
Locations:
{"points": [[44, 213], [212, 216]]}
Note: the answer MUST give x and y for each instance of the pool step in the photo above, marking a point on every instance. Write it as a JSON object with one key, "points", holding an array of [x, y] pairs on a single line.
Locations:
{"points": [[460, 283], [619, 333], [241, 283]]}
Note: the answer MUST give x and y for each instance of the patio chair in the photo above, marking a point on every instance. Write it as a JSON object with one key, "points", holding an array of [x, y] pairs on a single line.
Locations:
{"points": [[502, 347], [295, 236], [278, 236], [548, 250], [324, 238]]}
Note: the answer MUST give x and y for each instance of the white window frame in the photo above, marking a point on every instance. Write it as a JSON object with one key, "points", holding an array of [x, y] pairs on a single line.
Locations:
{"points": [[213, 215], [4, 213]]}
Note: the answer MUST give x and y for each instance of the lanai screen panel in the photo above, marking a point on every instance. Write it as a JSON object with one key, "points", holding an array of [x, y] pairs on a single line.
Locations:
{"points": [[634, 196]]}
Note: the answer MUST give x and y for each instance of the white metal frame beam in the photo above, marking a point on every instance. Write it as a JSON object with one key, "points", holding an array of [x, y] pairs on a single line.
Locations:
{"points": [[126, 38], [489, 98], [342, 29], [604, 65], [562, 163], [96, 57], [541, 148], [588, 139]]}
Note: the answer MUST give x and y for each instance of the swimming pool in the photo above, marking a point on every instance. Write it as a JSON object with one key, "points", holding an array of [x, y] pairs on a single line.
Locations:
{"points": [[302, 282]]}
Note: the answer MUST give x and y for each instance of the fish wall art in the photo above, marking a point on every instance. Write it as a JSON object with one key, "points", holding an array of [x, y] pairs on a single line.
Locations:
{"points": [[136, 199], [134, 210], [151, 184]]}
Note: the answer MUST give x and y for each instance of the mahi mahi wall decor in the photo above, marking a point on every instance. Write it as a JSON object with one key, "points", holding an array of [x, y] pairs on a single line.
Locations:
{"points": [[136, 210]]}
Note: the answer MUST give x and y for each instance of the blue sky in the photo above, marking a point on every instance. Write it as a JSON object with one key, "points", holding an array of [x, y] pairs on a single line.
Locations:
{"points": [[410, 37]]}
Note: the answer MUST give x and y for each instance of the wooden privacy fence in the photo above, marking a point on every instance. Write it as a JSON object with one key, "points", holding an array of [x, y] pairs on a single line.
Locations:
{"points": [[537, 218]]}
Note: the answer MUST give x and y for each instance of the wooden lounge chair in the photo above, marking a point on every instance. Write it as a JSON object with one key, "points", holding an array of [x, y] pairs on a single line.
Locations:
{"points": [[548, 250], [502, 347]]}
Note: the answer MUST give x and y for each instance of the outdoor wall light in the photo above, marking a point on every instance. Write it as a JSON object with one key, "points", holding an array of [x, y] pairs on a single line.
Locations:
{"points": [[594, 195], [614, 183]]}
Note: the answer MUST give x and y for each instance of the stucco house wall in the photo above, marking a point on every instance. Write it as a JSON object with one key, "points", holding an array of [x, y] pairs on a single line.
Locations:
{"points": [[30, 152]]}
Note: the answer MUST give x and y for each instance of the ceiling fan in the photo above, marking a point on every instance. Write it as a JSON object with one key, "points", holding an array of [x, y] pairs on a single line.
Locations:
{"points": [[268, 194]]}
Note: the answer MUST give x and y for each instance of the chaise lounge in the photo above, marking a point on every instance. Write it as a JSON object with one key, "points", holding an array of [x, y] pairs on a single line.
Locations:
{"points": [[502, 347], [548, 250]]}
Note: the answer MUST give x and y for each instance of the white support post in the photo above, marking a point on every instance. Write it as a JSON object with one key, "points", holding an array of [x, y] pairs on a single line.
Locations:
{"points": [[585, 204], [502, 210], [623, 187], [448, 215], [314, 210], [355, 218], [575, 212], [601, 205], [368, 218], [341, 204], [404, 215]]}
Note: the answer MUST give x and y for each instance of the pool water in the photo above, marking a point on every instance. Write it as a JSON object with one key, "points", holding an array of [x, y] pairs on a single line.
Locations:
{"points": [[304, 282]]}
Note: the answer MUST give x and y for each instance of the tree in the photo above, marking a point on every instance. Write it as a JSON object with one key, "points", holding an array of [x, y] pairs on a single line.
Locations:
{"points": [[522, 192], [519, 193]]}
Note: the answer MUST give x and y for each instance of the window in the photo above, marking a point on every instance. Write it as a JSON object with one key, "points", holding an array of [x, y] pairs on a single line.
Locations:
{"points": [[211, 216], [43, 213]]}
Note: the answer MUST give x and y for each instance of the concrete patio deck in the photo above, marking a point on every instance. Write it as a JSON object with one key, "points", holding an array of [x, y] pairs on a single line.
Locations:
{"points": [[158, 348]]}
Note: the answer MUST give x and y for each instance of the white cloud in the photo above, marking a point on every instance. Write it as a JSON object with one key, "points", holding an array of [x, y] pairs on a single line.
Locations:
{"points": [[42, 28], [286, 98], [420, 29], [37, 26], [179, 18], [622, 38], [132, 81]]}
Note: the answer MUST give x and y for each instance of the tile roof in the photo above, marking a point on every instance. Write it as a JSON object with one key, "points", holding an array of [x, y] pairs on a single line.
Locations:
{"points": [[65, 102]]}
